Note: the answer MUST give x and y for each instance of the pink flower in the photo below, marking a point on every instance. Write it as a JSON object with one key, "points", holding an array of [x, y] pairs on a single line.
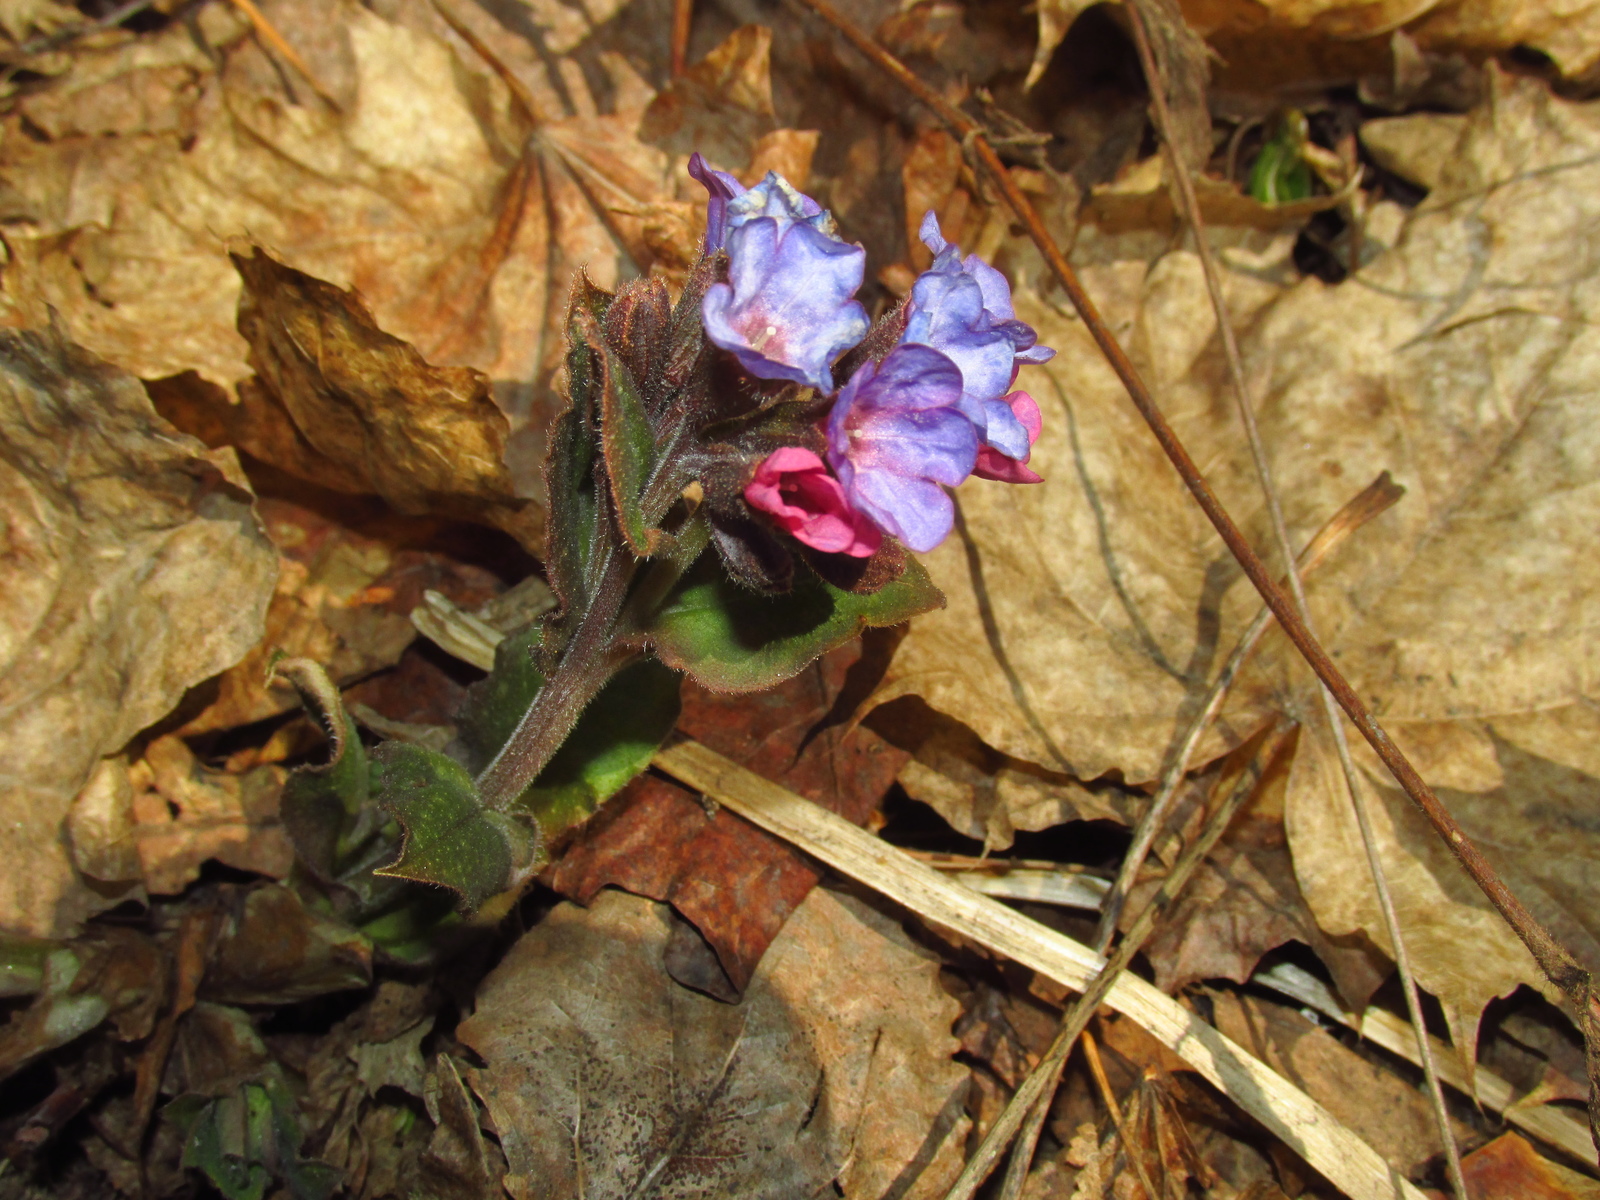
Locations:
{"points": [[794, 487], [992, 464]]}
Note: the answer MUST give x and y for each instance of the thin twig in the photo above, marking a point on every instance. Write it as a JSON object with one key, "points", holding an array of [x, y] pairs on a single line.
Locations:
{"points": [[1376, 498], [1280, 531], [1034, 1089], [1557, 963], [682, 23], [1028, 1139], [269, 31]]}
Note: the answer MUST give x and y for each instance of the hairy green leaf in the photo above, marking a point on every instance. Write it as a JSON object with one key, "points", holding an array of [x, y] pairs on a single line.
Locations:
{"points": [[611, 743], [573, 510], [630, 448], [451, 839], [319, 803], [731, 639]]}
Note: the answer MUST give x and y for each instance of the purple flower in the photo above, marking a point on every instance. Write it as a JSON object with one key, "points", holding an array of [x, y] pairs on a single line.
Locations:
{"points": [[723, 188], [895, 434], [788, 309], [962, 308]]}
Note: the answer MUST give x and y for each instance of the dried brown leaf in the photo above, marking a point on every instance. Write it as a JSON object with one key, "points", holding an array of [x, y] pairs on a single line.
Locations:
{"points": [[1384, 1109], [1509, 1167], [429, 190], [428, 439], [721, 105], [1464, 361], [185, 814], [835, 1066], [1567, 30], [132, 568], [734, 883]]}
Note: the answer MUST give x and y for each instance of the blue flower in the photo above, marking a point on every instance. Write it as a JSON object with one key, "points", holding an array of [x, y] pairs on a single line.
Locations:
{"points": [[723, 188], [962, 308], [788, 309], [895, 434]]}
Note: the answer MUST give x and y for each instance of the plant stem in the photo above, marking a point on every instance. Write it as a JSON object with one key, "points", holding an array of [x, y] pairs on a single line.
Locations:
{"points": [[589, 659]]}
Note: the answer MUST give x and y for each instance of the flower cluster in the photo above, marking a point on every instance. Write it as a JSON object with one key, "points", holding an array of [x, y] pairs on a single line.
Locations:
{"points": [[918, 416]]}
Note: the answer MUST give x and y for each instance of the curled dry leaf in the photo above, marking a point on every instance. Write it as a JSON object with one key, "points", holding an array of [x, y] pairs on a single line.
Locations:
{"points": [[1464, 360], [835, 1066], [131, 568], [375, 414], [185, 815]]}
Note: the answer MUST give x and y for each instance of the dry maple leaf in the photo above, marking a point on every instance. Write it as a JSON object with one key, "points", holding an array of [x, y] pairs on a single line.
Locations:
{"points": [[1463, 360], [132, 568], [835, 1065]]}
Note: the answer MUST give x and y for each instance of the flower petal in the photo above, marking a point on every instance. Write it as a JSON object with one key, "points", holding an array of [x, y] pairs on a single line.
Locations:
{"points": [[788, 310], [722, 188], [916, 511], [793, 486], [938, 444]]}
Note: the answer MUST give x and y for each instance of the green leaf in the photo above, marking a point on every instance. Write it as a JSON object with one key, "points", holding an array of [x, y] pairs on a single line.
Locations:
{"points": [[1280, 174], [611, 743], [495, 705], [572, 505], [731, 639], [630, 450], [245, 1140], [450, 838], [319, 804]]}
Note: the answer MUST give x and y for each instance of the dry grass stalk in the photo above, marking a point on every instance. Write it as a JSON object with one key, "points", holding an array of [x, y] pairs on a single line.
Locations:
{"points": [[1292, 1116]]}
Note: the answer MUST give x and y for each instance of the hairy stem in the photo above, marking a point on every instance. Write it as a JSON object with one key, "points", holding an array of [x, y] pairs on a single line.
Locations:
{"points": [[589, 659]]}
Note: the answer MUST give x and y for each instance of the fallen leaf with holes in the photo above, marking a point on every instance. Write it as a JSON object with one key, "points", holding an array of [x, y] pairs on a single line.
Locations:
{"points": [[1087, 614], [834, 1068], [732, 882], [131, 568]]}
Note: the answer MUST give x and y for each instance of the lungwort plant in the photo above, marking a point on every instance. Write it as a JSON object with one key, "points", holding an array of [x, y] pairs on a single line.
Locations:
{"points": [[733, 489]]}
